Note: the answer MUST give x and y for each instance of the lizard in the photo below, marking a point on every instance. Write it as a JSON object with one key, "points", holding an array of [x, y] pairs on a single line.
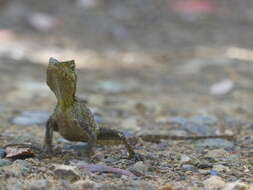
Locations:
{"points": [[75, 122], [72, 118]]}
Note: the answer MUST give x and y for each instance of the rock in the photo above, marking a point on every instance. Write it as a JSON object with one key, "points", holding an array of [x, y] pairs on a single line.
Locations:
{"points": [[132, 185], [237, 186], [18, 153], [2, 153], [18, 168], [31, 118], [78, 163], [5, 162], [85, 184], [217, 153], [143, 185], [220, 168], [204, 165], [188, 167], [187, 160], [214, 183], [199, 125], [214, 172], [139, 169], [222, 87], [41, 184], [166, 187], [66, 172], [214, 143]]}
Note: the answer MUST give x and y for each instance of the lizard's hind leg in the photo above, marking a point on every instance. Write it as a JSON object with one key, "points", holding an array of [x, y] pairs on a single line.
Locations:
{"points": [[114, 137]]}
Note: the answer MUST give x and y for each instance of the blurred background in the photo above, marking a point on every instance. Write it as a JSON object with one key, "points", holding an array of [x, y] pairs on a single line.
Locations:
{"points": [[161, 58]]}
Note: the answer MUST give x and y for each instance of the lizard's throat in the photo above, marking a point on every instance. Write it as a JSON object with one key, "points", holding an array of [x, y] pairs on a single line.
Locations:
{"points": [[64, 92]]}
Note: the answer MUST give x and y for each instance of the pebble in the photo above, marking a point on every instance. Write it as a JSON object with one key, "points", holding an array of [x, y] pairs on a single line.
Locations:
{"points": [[166, 187], [2, 153], [187, 160], [214, 183], [222, 87], [188, 167], [5, 162], [31, 118], [199, 125], [221, 168], [205, 165], [41, 184], [18, 168], [66, 172], [214, 173], [237, 186], [85, 184], [139, 168]]}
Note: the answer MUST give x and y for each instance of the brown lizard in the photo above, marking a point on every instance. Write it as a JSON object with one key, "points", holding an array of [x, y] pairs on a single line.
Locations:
{"points": [[75, 122], [72, 118]]}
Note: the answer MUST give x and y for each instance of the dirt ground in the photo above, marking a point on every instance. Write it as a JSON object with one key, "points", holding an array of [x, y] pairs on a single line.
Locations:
{"points": [[143, 67]]}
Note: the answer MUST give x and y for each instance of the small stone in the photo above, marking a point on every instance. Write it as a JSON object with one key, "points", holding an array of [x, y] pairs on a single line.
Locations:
{"points": [[217, 153], [85, 184], [186, 159], [18, 168], [66, 172], [214, 183], [166, 187], [204, 165], [143, 185], [5, 162], [31, 118], [222, 87], [2, 153], [237, 186], [214, 173], [139, 168], [19, 153], [188, 167], [221, 168], [41, 184]]}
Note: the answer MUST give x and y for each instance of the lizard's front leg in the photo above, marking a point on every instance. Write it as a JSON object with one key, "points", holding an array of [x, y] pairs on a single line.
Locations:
{"points": [[50, 126]]}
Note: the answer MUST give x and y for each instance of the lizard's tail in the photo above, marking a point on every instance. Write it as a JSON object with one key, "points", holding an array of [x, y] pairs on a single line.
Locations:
{"points": [[107, 136]]}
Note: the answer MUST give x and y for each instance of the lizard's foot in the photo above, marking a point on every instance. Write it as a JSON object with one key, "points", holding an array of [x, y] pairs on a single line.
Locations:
{"points": [[136, 157]]}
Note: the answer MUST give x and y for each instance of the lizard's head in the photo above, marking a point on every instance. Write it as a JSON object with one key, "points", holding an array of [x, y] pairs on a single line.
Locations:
{"points": [[61, 79]]}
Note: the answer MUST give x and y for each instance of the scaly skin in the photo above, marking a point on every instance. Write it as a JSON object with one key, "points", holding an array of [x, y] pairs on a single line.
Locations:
{"points": [[71, 117]]}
